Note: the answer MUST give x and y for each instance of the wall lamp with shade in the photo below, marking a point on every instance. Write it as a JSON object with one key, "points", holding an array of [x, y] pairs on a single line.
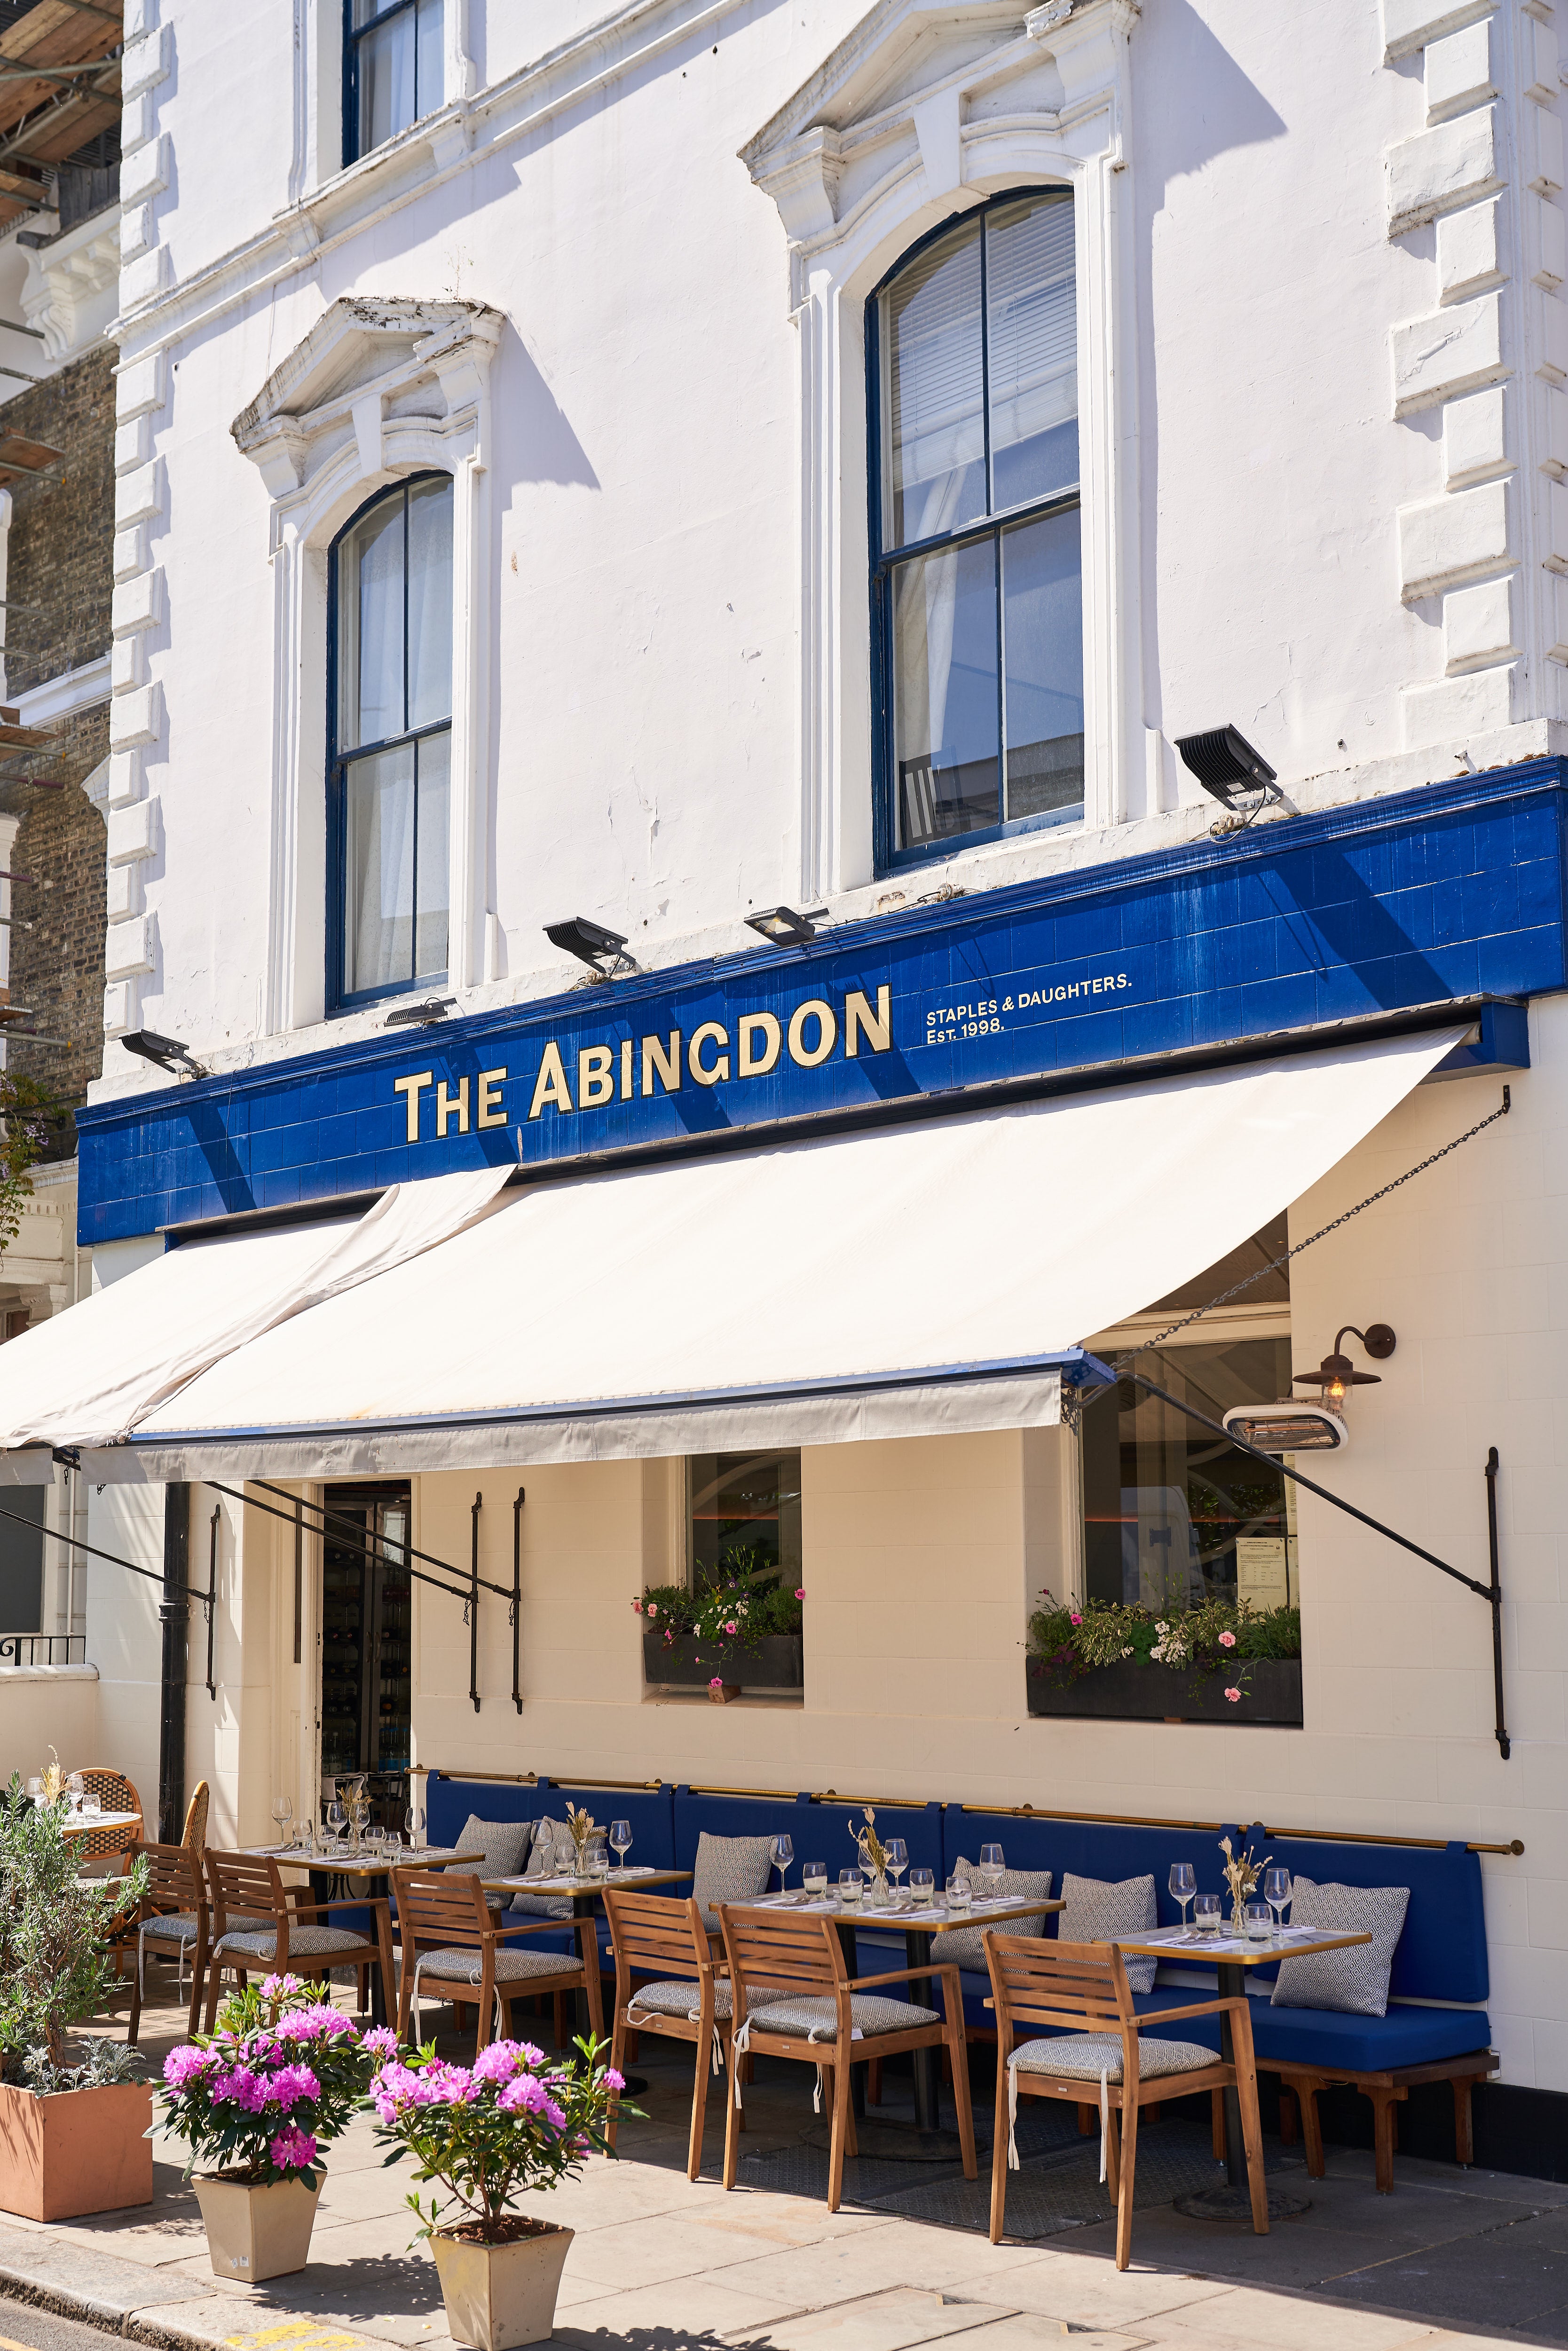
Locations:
{"points": [[420, 1015], [603, 951], [781, 926], [1314, 1423]]}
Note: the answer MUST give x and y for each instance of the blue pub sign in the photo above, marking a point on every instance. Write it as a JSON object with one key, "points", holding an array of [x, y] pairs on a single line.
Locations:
{"points": [[1450, 894]]}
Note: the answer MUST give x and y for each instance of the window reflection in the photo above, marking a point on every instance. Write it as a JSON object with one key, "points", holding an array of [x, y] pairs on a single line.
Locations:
{"points": [[396, 60], [744, 1515]]}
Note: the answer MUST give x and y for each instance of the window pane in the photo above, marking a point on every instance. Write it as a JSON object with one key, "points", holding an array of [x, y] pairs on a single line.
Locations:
{"points": [[1166, 1501], [944, 694], [1032, 313], [746, 1516], [932, 421], [370, 649], [430, 72], [431, 897], [1042, 632], [386, 82], [378, 826], [429, 602]]}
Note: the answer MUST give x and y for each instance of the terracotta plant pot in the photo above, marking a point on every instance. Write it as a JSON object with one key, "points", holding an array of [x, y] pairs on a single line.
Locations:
{"points": [[76, 2151], [498, 2296], [255, 2233], [722, 1693]]}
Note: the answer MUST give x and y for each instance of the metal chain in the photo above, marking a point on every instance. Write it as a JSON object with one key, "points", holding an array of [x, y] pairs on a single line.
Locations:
{"points": [[1371, 1201]]}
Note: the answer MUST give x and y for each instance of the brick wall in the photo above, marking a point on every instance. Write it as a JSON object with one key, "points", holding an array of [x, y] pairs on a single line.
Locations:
{"points": [[57, 967], [61, 552]]}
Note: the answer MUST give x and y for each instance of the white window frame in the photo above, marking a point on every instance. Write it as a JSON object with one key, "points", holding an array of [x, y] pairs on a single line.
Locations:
{"points": [[318, 154], [859, 180]]}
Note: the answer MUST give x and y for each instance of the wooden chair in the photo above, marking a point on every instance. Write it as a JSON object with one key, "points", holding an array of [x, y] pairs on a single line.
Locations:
{"points": [[1077, 1995], [454, 1947], [792, 1998], [174, 1922], [654, 1935], [116, 1793], [260, 1926], [193, 1837]]}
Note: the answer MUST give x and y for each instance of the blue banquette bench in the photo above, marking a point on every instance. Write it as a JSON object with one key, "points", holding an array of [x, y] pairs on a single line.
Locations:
{"points": [[1435, 2028]]}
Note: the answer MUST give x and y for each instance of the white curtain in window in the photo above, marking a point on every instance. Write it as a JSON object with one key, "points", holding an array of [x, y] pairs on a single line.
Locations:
{"points": [[429, 602]]}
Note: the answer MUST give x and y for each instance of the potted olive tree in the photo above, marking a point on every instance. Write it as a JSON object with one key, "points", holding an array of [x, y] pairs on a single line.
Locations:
{"points": [[513, 2120], [73, 2125], [255, 2104]]}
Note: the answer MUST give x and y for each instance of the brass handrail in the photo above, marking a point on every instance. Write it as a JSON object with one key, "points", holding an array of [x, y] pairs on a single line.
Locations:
{"points": [[1112, 1820], [496, 1779], [1376, 1836], [894, 1803], [786, 1795], [646, 1787]]}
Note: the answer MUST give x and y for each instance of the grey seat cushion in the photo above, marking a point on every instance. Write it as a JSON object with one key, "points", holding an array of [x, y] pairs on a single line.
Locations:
{"points": [[730, 1869], [504, 1845], [1098, 1907], [304, 1943], [1081, 2056], [466, 1967], [678, 1998], [541, 1863], [817, 2018], [1355, 1980], [963, 1946], [181, 1927]]}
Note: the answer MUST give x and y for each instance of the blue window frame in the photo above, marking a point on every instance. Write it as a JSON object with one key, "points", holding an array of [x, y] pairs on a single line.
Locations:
{"points": [[976, 573], [393, 69], [390, 747]]}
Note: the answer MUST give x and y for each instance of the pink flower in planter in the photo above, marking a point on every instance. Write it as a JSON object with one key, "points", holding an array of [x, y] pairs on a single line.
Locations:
{"points": [[613, 2078], [732, 1627], [497, 2063], [638, 1606], [184, 2065], [1228, 1640], [291, 2084], [1234, 1696], [652, 1607], [1074, 1617], [292, 2149], [718, 1681], [381, 2040], [799, 1592]]}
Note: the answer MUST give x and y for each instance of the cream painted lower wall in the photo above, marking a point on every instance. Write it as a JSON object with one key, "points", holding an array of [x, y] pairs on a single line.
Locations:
{"points": [[43, 1707]]}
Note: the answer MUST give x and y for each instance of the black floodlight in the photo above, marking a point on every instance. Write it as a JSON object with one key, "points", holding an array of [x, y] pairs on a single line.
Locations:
{"points": [[602, 951], [1230, 769], [419, 1016], [781, 926], [166, 1051]]}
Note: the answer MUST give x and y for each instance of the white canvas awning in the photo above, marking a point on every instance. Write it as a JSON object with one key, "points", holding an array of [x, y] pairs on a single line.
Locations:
{"points": [[909, 1280]]}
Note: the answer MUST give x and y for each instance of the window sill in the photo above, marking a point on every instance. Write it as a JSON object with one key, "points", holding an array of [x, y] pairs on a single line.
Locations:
{"points": [[946, 852], [771, 1701]]}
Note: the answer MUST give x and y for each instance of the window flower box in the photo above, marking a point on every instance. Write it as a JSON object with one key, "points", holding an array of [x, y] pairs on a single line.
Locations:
{"points": [[688, 1662], [1131, 1691]]}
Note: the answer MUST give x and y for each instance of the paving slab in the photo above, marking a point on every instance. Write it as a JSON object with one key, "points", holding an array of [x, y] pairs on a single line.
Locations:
{"points": [[1513, 2276]]}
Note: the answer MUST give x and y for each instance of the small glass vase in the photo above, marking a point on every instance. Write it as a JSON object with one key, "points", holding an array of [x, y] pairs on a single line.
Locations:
{"points": [[877, 1896], [1238, 1916]]}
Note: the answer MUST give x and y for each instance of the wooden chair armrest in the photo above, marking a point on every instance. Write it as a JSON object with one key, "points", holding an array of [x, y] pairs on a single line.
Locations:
{"points": [[905, 1975], [1203, 2008], [319, 1909], [538, 1926]]}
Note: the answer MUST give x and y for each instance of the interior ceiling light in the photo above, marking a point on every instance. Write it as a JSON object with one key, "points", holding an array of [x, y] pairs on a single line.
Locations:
{"points": [[411, 1016], [1231, 772], [781, 926], [602, 951], [166, 1051], [1314, 1423]]}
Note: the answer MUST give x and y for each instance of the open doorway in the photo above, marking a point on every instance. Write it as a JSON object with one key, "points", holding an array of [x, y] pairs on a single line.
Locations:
{"points": [[367, 1630]]}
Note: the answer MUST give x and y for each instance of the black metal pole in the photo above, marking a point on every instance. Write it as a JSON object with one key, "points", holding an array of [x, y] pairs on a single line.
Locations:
{"points": [[470, 1610], [174, 1611], [518, 1600], [212, 1596], [299, 1577], [1501, 1731]]}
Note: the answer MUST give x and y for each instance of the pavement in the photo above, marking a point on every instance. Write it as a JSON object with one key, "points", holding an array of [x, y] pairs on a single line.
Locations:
{"points": [[1451, 2261]]}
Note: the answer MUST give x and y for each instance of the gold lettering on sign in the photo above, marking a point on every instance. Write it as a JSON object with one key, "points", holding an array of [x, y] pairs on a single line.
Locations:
{"points": [[761, 1024], [412, 1087], [878, 1028], [827, 1032], [550, 1086], [625, 1069], [667, 1064], [595, 1083], [720, 1073], [451, 1106], [492, 1111]]}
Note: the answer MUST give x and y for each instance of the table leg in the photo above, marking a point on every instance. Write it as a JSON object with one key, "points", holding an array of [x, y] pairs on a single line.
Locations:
{"points": [[582, 1907], [928, 2095], [1233, 2202], [1232, 1986]]}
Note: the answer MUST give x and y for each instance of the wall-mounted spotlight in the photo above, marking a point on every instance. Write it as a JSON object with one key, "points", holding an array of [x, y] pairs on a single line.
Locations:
{"points": [[166, 1051], [1231, 772], [1314, 1423], [602, 951], [781, 926], [419, 1016]]}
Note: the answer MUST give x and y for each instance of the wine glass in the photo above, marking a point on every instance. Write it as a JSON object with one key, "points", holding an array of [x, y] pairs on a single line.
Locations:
{"points": [[620, 1840], [814, 1878], [35, 1790], [1183, 1885], [897, 1861], [991, 1866], [783, 1855], [75, 1788], [1276, 1893], [360, 1813], [336, 1818], [414, 1821], [282, 1813]]}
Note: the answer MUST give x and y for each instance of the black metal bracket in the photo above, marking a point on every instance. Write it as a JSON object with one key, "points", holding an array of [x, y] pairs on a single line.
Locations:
{"points": [[1501, 1734], [209, 1597], [517, 1609], [299, 1578], [470, 1608]]}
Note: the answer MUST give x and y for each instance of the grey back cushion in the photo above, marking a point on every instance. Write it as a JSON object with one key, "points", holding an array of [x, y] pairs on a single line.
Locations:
{"points": [[503, 1844], [963, 1947], [730, 1869], [1097, 1908], [1355, 1980], [541, 1863]]}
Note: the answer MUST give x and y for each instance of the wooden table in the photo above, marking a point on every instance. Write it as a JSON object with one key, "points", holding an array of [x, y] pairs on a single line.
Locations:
{"points": [[1233, 1954], [346, 1864], [584, 1894], [75, 1824], [921, 1924]]}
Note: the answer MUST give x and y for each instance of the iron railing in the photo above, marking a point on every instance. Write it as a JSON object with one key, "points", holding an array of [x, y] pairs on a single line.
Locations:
{"points": [[43, 1649]]}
